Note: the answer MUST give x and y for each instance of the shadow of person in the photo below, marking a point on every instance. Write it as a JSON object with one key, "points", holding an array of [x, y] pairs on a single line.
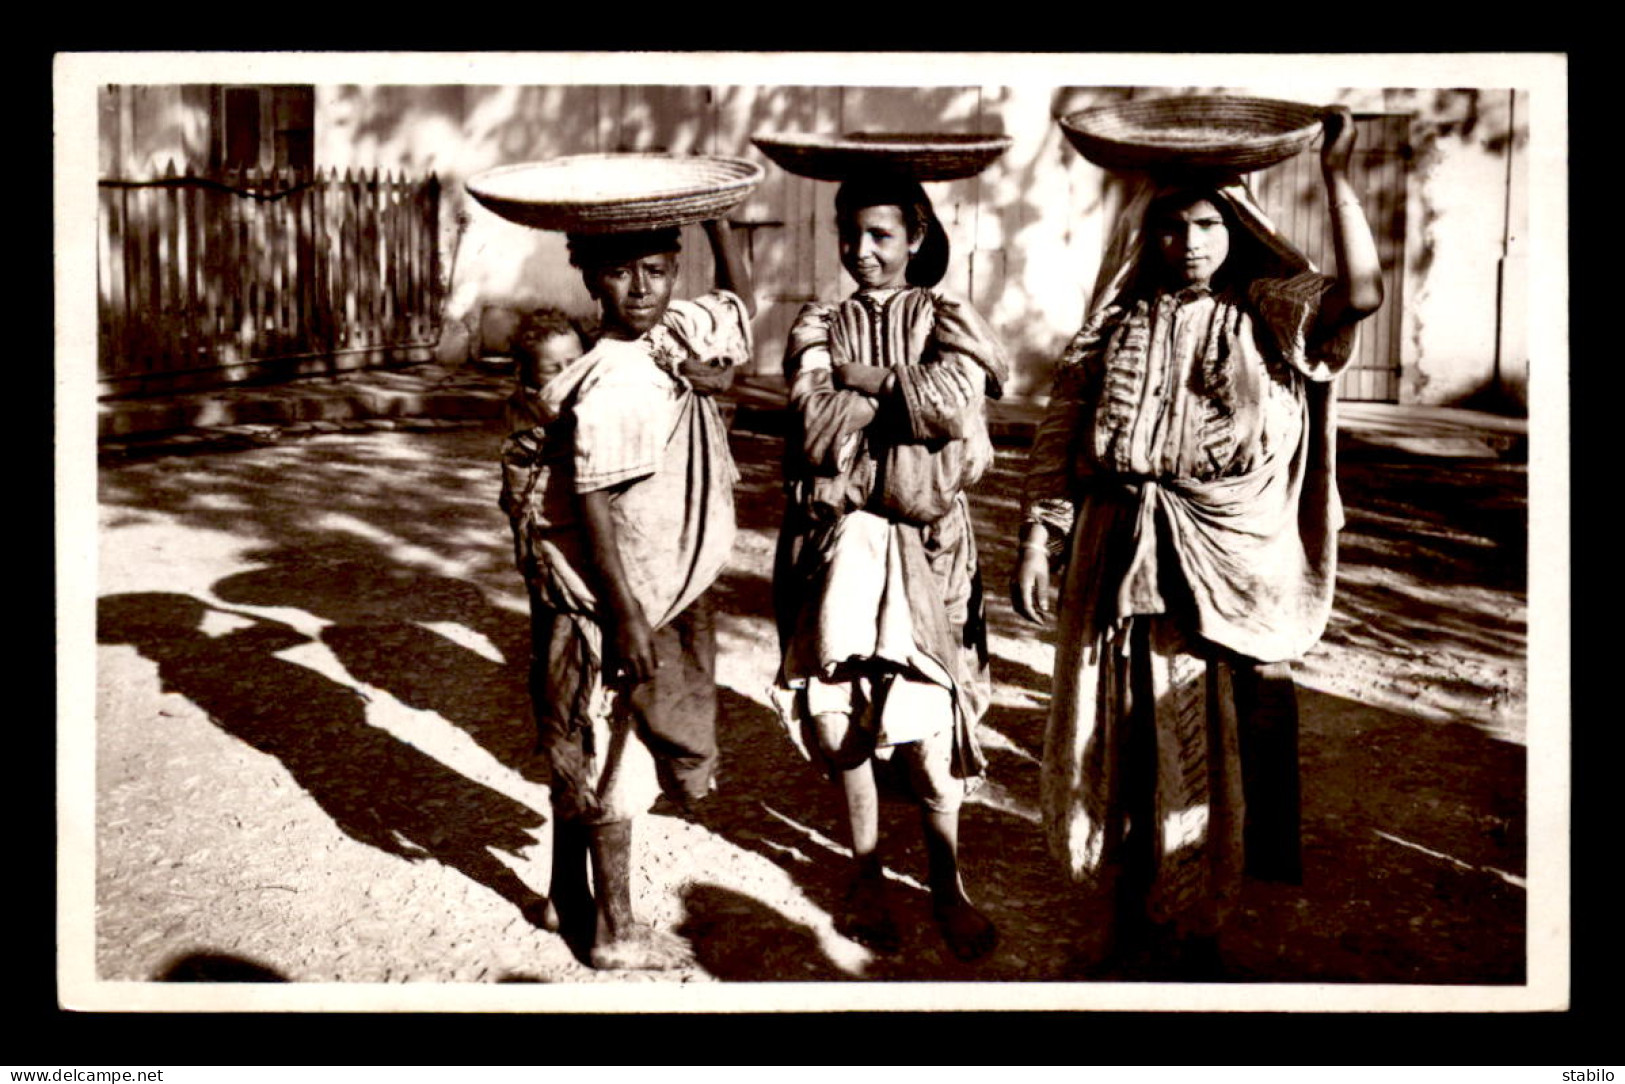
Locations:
{"points": [[738, 938], [378, 611], [775, 803], [1415, 837], [377, 789], [217, 967]]}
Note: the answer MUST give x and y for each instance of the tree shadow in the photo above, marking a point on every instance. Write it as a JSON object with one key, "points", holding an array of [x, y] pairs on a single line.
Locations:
{"points": [[1448, 521], [1022, 727], [759, 492], [1414, 851], [776, 804], [1008, 672], [1434, 552], [996, 514], [744, 597], [377, 789]]}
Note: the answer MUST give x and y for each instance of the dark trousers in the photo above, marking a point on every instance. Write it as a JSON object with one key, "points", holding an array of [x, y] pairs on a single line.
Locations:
{"points": [[674, 712], [1267, 718], [1266, 703]]}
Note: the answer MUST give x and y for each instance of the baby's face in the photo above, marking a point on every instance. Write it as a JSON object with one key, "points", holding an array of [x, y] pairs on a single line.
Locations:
{"points": [[548, 357]]}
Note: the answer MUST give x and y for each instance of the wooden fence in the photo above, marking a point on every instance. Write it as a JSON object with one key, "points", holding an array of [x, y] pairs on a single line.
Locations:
{"points": [[211, 280]]}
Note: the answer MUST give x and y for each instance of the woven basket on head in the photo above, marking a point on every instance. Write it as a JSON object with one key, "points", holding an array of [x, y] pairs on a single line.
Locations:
{"points": [[924, 156], [611, 193], [1198, 131]]}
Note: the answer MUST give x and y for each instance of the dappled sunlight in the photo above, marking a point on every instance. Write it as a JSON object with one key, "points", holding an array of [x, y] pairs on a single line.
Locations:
{"points": [[470, 640], [348, 606], [995, 795], [994, 741], [403, 552]]}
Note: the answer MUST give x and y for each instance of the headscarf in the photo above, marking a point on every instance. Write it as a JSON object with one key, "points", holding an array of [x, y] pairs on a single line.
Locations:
{"points": [[881, 189], [1130, 263], [1255, 551]]}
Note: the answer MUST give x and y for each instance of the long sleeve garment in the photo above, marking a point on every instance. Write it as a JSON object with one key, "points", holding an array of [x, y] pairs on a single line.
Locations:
{"points": [[1184, 470], [898, 586]]}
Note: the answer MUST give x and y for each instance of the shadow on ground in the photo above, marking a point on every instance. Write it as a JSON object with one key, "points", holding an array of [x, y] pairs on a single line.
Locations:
{"points": [[217, 967], [1415, 829], [377, 789]]}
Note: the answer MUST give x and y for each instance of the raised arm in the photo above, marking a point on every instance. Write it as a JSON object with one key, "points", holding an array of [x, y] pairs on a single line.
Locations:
{"points": [[1357, 292], [720, 340], [731, 272]]}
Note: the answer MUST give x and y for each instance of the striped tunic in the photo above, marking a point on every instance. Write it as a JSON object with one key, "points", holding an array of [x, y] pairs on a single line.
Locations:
{"points": [[843, 607], [1184, 470]]}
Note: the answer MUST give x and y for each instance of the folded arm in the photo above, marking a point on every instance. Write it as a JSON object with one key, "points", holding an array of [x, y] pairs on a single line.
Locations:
{"points": [[833, 417], [943, 395]]}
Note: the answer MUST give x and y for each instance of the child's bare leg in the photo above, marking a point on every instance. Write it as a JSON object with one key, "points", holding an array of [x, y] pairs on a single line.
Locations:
{"points": [[866, 918], [969, 933], [568, 896], [620, 943]]}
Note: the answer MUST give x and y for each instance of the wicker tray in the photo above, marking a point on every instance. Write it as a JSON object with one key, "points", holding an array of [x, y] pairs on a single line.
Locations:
{"points": [[1202, 131], [924, 156], [610, 193]]}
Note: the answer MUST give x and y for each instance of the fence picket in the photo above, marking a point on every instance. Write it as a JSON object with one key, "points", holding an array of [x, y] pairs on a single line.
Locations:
{"points": [[394, 261], [372, 310], [207, 273], [148, 271], [110, 283]]}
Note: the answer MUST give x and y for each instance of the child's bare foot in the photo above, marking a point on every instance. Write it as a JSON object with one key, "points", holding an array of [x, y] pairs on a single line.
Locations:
{"points": [[642, 948], [866, 918], [969, 933]]}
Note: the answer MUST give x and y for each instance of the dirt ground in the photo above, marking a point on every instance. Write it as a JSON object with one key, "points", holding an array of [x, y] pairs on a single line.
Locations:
{"points": [[313, 756]]}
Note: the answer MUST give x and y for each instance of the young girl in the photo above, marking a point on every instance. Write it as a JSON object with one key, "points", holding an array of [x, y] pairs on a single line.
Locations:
{"points": [[1184, 469], [877, 580]]}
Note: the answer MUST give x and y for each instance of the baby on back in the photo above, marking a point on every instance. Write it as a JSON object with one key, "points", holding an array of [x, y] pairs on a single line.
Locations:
{"points": [[544, 345]]}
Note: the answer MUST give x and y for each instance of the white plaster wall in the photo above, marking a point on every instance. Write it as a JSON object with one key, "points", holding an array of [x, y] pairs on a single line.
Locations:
{"points": [[145, 129], [456, 132], [1465, 292], [1027, 234]]}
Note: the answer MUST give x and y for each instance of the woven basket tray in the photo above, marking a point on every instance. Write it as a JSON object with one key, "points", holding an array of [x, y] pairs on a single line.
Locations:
{"points": [[610, 193], [1204, 131], [924, 156]]}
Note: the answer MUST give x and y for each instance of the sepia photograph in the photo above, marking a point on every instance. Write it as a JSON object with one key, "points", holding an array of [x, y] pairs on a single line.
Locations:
{"points": [[606, 532]]}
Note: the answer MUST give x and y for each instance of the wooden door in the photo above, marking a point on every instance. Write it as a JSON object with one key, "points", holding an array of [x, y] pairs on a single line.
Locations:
{"points": [[1294, 197]]}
